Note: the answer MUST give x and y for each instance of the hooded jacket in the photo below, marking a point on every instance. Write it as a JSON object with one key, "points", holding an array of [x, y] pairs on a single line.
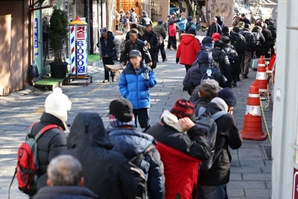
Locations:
{"points": [[105, 171], [51, 144], [257, 31], [213, 28], [227, 136], [151, 38], [130, 142], [133, 86], [189, 44], [181, 154], [66, 192]]}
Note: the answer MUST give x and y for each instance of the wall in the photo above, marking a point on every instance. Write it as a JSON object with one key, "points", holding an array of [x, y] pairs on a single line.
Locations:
{"points": [[160, 9], [222, 8], [14, 54]]}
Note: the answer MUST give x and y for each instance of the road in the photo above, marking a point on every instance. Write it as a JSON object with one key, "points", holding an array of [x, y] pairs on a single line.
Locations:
{"points": [[251, 169]]}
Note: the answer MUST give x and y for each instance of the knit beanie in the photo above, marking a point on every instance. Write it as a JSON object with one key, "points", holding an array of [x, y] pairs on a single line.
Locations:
{"points": [[57, 104], [228, 96], [183, 108], [192, 31], [121, 109], [207, 40]]}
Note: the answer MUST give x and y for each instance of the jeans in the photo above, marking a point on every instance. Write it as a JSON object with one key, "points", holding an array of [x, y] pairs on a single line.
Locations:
{"points": [[142, 115], [213, 192]]}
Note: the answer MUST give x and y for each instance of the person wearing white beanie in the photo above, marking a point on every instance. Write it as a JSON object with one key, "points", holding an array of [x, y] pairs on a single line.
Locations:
{"points": [[53, 141]]}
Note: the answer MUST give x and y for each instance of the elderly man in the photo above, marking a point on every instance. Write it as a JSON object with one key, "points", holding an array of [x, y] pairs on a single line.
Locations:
{"points": [[135, 44], [65, 180], [213, 28], [109, 48], [134, 84]]}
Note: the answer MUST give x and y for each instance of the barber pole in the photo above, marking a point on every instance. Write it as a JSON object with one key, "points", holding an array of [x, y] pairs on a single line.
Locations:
{"points": [[78, 47]]}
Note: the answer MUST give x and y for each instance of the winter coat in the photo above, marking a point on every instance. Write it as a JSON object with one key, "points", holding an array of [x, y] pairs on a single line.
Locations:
{"points": [[268, 37], [213, 28], [133, 86], [223, 61], [249, 39], [258, 30], [107, 46], [189, 44], [235, 66], [145, 20], [160, 30], [105, 171], [50, 144], [227, 136], [245, 20], [182, 24], [172, 30], [138, 45], [181, 154], [196, 76], [151, 38], [238, 41], [130, 142], [65, 192]]}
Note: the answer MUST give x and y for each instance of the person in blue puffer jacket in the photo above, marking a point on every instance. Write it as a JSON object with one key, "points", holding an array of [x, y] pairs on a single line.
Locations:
{"points": [[134, 84], [131, 142]]}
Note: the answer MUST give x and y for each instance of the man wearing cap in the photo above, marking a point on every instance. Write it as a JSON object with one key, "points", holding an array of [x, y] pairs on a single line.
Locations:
{"points": [[109, 48], [161, 35], [53, 141], [151, 37], [233, 59], [204, 93], [135, 83], [214, 27], [212, 184], [130, 142], [135, 44], [182, 146]]}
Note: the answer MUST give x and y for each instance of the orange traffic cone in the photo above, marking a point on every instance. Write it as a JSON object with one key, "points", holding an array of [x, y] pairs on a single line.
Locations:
{"points": [[262, 75], [252, 126]]}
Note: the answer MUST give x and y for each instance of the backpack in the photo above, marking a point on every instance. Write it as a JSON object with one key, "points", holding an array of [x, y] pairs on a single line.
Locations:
{"points": [[27, 169], [249, 38], [238, 42], [138, 173], [231, 58], [209, 74], [256, 38], [207, 121]]}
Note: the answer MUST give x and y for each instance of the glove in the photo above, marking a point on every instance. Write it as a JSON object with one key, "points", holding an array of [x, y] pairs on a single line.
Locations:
{"points": [[146, 76], [177, 60]]}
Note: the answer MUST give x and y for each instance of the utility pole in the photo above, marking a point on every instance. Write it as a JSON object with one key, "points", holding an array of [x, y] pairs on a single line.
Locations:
{"points": [[87, 17]]}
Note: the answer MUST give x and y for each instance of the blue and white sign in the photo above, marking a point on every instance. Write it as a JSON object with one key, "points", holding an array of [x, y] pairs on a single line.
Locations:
{"points": [[35, 36]]}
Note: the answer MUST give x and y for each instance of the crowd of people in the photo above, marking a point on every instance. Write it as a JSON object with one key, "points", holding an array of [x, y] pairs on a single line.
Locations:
{"points": [[132, 159]]}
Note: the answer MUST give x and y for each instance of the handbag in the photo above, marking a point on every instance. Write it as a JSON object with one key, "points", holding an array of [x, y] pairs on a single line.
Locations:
{"points": [[254, 62]]}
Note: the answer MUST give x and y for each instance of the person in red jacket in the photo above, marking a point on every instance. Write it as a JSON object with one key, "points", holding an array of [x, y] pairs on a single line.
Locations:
{"points": [[188, 49], [172, 36], [182, 146]]}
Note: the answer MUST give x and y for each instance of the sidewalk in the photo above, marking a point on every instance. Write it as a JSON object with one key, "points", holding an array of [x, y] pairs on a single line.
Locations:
{"points": [[250, 172]]}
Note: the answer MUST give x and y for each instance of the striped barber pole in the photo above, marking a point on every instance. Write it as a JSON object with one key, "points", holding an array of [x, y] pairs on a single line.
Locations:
{"points": [[72, 50]]}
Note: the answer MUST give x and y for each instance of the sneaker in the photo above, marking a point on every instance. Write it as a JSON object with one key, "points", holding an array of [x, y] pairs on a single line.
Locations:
{"points": [[113, 79], [105, 81], [164, 60], [244, 76], [234, 84]]}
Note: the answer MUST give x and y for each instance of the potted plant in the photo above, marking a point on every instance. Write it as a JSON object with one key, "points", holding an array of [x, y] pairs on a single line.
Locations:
{"points": [[57, 35]]}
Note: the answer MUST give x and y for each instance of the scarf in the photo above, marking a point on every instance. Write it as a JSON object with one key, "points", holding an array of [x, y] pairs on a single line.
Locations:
{"points": [[114, 122]]}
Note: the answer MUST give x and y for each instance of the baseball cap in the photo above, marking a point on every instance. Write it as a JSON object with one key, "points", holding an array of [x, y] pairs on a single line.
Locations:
{"points": [[103, 30], [133, 32], [215, 36], [121, 109], [135, 53], [209, 85], [159, 21]]}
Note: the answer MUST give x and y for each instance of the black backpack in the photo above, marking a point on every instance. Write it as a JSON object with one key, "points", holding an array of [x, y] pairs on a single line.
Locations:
{"points": [[256, 38], [249, 38], [207, 121], [238, 42], [231, 58], [138, 173], [209, 73]]}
